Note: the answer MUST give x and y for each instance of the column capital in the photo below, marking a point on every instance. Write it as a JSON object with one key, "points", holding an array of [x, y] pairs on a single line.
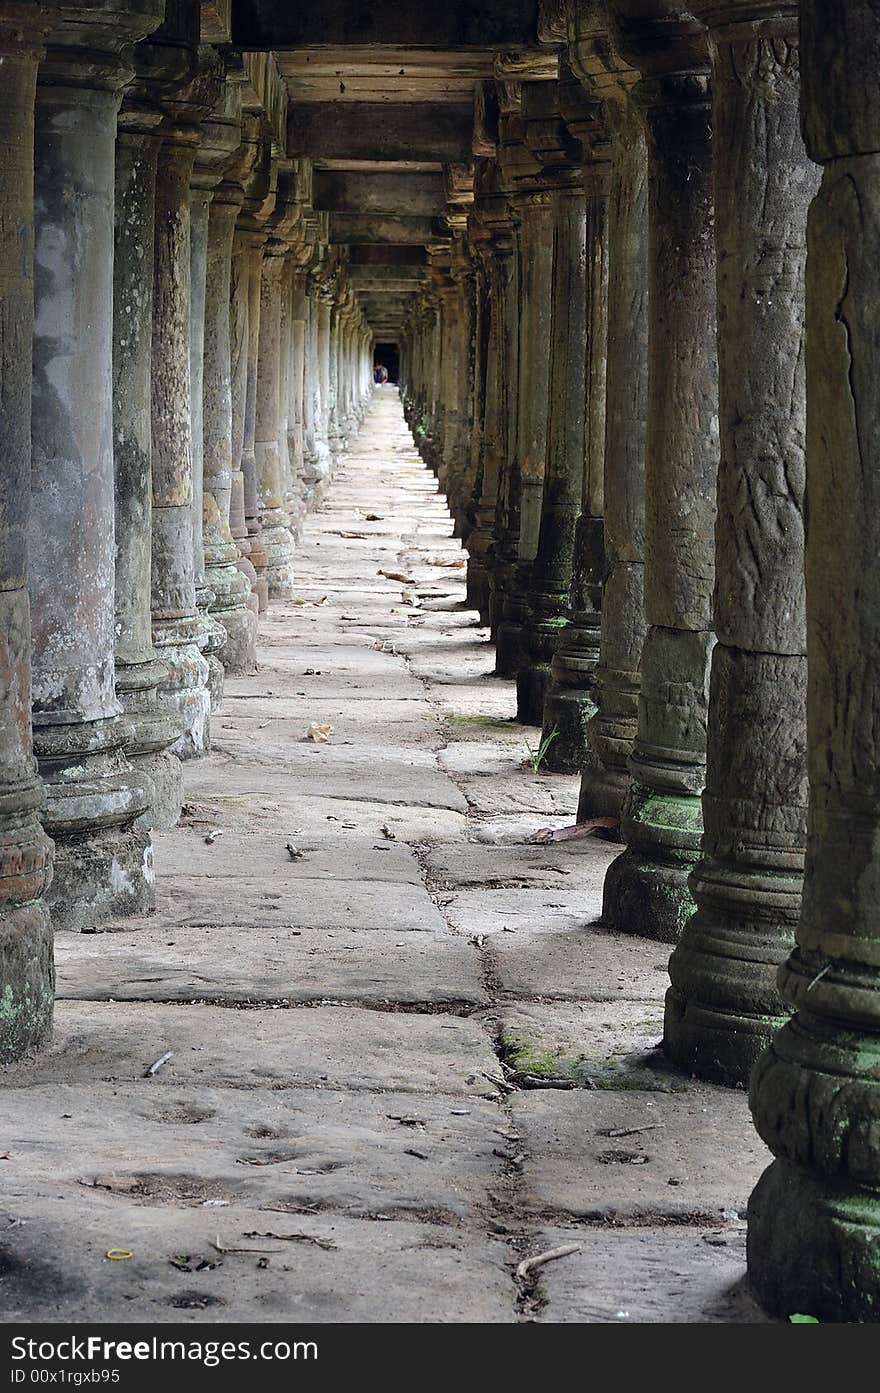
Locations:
{"points": [[91, 45], [667, 47]]}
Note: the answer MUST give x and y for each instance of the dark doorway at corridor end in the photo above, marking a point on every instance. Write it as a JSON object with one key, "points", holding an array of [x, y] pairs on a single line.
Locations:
{"points": [[387, 355]]}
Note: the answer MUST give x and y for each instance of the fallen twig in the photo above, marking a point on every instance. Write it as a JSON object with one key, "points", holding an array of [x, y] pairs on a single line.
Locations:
{"points": [[529, 1264], [157, 1064], [291, 1238], [221, 1248]]}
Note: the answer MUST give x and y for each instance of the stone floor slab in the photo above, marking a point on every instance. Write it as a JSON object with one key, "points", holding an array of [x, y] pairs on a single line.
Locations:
{"points": [[55, 1268], [646, 1276], [183, 963], [320, 1047], [639, 1158]]}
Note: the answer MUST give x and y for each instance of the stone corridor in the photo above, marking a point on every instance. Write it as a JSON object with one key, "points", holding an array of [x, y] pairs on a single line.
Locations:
{"points": [[399, 1054]]}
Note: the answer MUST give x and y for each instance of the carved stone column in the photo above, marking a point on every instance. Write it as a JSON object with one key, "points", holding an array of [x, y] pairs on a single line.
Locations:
{"points": [[26, 971], [497, 249], [814, 1217], [551, 572], [533, 214], [611, 731], [277, 540], [296, 382], [571, 698], [250, 231], [239, 313], [103, 861], [224, 161], [324, 300], [138, 673], [724, 1005], [178, 629], [212, 635], [646, 887]]}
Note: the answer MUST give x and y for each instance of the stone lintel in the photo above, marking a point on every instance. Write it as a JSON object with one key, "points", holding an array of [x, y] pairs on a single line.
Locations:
{"points": [[410, 194], [380, 131], [352, 228], [477, 24]]}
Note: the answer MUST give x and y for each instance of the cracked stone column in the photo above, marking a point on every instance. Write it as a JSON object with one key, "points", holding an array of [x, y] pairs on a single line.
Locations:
{"points": [[223, 161], [178, 628], [138, 671], [497, 250], [570, 702], [274, 522], [612, 729], [724, 1005], [27, 978], [103, 860], [551, 570], [814, 1217], [458, 441], [323, 299], [335, 437], [646, 887]]}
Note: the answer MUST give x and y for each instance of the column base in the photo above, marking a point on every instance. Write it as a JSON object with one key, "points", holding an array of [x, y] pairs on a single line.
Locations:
{"points": [[186, 688], [532, 685], [239, 654], [814, 1246], [278, 546], [713, 1044], [509, 655], [27, 981], [164, 772], [100, 875], [603, 792], [568, 711]]}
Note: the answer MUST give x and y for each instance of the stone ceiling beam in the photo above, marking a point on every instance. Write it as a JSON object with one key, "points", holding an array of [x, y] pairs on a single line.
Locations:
{"points": [[345, 192], [475, 24], [375, 131], [352, 228]]}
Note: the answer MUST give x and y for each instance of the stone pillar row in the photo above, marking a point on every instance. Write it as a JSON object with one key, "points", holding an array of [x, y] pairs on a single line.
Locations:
{"points": [[162, 269], [671, 327]]}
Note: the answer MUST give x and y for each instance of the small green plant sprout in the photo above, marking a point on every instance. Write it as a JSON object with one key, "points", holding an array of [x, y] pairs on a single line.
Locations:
{"points": [[536, 756], [804, 1320]]}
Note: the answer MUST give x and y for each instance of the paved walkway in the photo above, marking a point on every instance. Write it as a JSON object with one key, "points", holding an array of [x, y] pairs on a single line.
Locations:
{"points": [[362, 982]]}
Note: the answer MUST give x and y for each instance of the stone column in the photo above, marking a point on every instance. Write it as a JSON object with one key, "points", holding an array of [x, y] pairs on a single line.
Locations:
{"points": [[296, 428], [226, 156], [178, 629], [239, 308], [814, 1216], [212, 635], [611, 731], [334, 433], [551, 571], [322, 418], [277, 540], [251, 235], [571, 697], [535, 259], [724, 1006], [315, 457], [646, 887], [497, 249], [103, 861], [138, 672], [26, 970]]}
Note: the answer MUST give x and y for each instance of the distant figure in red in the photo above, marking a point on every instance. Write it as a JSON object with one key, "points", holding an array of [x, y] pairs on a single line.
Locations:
{"points": [[380, 373]]}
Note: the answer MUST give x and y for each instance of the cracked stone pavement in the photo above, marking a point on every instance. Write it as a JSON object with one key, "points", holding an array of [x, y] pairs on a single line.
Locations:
{"points": [[349, 1127]]}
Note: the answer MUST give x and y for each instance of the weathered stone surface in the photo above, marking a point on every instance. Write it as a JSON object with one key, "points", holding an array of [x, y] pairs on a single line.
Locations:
{"points": [[333, 1046], [593, 1044], [216, 963], [140, 1146], [578, 1143], [646, 1276], [304, 1281]]}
